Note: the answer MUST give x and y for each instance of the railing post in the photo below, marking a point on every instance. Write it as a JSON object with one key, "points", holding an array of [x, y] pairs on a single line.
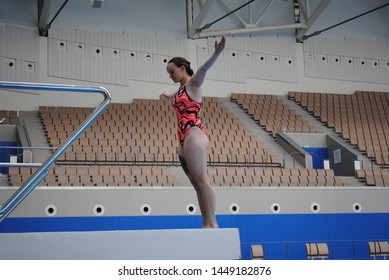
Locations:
{"points": [[40, 174]]}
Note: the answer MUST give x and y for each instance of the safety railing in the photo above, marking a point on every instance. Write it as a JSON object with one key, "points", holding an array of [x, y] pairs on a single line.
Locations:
{"points": [[33, 181]]}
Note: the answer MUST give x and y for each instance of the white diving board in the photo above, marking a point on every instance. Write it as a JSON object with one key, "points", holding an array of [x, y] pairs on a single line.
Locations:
{"points": [[178, 244]]}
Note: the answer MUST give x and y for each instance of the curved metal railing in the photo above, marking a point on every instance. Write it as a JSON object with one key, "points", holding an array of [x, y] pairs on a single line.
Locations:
{"points": [[41, 172]]}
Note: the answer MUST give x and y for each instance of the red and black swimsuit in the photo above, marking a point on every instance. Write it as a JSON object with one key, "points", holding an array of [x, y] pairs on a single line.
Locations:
{"points": [[188, 114]]}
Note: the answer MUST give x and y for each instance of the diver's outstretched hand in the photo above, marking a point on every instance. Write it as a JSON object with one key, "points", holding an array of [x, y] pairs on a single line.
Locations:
{"points": [[219, 46]]}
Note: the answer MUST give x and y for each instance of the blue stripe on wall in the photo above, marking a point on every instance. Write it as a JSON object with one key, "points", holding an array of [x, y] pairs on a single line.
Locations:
{"points": [[283, 236]]}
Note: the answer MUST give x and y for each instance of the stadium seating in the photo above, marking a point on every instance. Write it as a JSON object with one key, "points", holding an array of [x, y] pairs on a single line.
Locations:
{"points": [[135, 144], [361, 119], [271, 113], [144, 132]]}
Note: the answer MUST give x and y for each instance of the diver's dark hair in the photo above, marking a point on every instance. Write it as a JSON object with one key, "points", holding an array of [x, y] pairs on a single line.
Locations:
{"points": [[180, 61]]}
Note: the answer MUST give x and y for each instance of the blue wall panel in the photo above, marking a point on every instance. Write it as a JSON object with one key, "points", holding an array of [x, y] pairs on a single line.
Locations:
{"points": [[318, 155], [5, 154], [283, 236], [338, 225]]}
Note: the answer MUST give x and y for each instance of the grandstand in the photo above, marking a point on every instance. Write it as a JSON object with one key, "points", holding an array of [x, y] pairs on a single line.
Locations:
{"points": [[124, 136], [124, 148]]}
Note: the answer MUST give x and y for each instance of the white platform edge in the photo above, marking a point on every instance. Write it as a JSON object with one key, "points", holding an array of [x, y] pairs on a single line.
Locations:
{"points": [[178, 244]]}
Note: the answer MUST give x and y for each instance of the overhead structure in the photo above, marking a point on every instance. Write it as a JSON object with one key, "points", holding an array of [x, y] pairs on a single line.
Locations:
{"points": [[309, 17], [44, 7], [209, 18], [301, 37]]}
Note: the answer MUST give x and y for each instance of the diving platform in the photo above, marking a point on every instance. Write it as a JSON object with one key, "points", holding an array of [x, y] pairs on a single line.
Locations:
{"points": [[177, 244]]}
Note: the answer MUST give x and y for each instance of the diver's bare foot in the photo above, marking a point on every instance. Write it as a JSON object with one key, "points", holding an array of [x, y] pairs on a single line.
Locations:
{"points": [[211, 226]]}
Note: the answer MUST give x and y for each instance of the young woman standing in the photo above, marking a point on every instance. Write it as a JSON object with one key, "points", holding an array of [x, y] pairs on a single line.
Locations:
{"points": [[193, 138]]}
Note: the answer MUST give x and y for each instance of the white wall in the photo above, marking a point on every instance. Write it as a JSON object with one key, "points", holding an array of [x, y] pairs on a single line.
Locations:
{"points": [[147, 86]]}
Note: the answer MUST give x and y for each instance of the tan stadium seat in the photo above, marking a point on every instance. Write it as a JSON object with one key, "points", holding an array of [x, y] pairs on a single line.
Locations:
{"points": [[257, 252], [378, 249], [316, 250]]}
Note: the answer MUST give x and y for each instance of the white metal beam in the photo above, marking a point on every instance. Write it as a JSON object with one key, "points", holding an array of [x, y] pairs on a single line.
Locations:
{"points": [[201, 2], [199, 19], [244, 23], [247, 30], [264, 11], [311, 19], [43, 14], [303, 11]]}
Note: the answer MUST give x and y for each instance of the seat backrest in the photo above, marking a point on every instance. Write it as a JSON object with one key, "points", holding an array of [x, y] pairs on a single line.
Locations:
{"points": [[311, 250], [257, 252]]}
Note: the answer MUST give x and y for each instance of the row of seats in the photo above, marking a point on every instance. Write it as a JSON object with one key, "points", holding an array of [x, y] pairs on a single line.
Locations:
{"points": [[378, 249], [162, 176], [316, 250], [145, 133], [270, 177], [313, 250], [362, 118], [144, 153], [271, 113], [99, 176], [373, 177]]}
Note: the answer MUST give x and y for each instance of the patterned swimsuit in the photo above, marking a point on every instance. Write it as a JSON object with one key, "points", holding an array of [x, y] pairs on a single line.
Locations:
{"points": [[188, 114]]}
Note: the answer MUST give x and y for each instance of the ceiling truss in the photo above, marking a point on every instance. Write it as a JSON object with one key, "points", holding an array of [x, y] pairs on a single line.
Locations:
{"points": [[247, 17], [251, 21]]}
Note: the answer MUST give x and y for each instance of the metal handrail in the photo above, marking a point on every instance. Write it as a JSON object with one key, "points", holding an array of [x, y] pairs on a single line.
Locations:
{"points": [[25, 131], [40, 173], [28, 148]]}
